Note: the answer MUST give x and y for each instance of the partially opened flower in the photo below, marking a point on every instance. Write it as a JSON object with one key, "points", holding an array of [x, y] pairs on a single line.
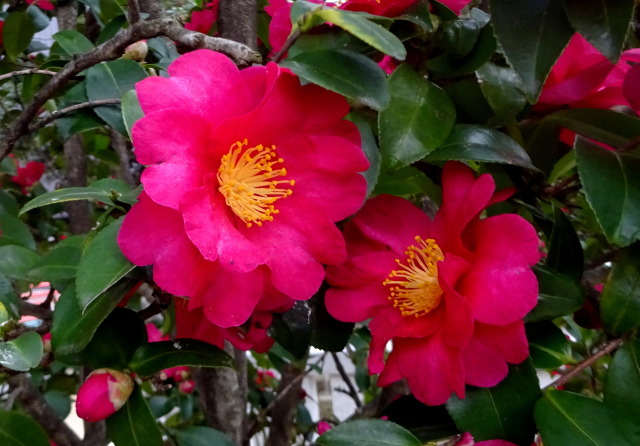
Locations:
{"points": [[248, 171], [450, 293]]}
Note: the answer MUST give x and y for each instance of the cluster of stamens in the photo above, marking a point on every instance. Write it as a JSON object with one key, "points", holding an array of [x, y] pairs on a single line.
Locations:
{"points": [[246, 178], [414, 287]]}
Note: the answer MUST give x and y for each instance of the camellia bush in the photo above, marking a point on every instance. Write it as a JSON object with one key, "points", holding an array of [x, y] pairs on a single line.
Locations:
{"points": [[202, 204]]}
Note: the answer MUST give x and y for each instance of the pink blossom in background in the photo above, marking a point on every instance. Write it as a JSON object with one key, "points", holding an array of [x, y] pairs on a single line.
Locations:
{"points": [[187, 387], [28, 175], [42, 4], [450, 293], [202, 21], [385, 8], [103, 393], [323, 427], [467, 440], [240, 200]]}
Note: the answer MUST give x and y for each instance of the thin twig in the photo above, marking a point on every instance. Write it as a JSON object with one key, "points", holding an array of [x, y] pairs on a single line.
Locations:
{"points": [[608, 348], [353, 393], [63, 111], [24, 72], [287, 44]]}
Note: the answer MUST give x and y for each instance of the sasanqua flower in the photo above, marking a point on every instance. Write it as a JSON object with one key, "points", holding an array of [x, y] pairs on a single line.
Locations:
{"points": [[103, 393], [247, 173], [450, 293]]}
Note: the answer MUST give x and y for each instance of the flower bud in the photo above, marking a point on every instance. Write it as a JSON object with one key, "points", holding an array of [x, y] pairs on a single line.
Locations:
{"points": [[103, 393], [323, 427], [187, 387], [136, 51]]}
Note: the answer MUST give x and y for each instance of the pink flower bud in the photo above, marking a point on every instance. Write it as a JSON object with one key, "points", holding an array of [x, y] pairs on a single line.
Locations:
{"points": [[323, 427], [187, 386], [103, 393]]}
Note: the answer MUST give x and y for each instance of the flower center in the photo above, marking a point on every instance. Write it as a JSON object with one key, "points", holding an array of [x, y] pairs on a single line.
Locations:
{"points": [[414, 287], [246, 178]]}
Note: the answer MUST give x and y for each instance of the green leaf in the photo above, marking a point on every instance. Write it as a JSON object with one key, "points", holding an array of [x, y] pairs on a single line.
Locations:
{"points": [[9, 298], [111, 80], [293, 329], [153, 357], [622, 381], [405, 181], [548, 346], [16, 261], [558, 295], [131, 110], [607, 126], [73, 328], [565, 251], [460, 36], [370, 149], [14, 231], [22, 353], [101, 266], [503, 411], [107, 190], [604, 23], [357, 24], [201, 436], [620, 300], [368, 433], [612, 188], [134, 425], [8, 204], [116, 340], [532, 34], [569, 419], [59, 263], [40, 20], [17, 33], [502, 88], [17, 429], [419, 118], [59, 401], [345, 72], [73, 42], [477, 143]]}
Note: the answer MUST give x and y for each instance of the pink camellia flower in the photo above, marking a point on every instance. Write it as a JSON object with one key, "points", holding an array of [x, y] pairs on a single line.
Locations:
{"points": [[27, 176], [103, 393], [187, 387], [583, 77], [323, 427], [467, 440], [247, 173], [450, 293], [202, 21], [385, 8], [42, 4]]}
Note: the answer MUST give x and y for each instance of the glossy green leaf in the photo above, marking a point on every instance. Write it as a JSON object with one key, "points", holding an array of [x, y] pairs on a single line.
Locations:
{"points": [[14, 231], [477, 143], [101, 266], [503, 411], [622, 381], [201, 436], [131, 110], [368, 433], [9, 298], [17, 33], [620, 300], [565, 251], [153, 357], [72, 328], [111, 80], [612, 186], [502, 88], [405, 181], [548, 345], [107, 190], [16, 261], [357, 24], [40, 20], [59, 401], [293, 329], [116, 340], [345, 72], [558, 295], [22, 353], [370, 149], [604, 23], [569, 419], [59, 263], [460, 36], [73, 42], [8, 204], [134, 425], [607, 126], [419, 118], [532, 34], [17, 429]]}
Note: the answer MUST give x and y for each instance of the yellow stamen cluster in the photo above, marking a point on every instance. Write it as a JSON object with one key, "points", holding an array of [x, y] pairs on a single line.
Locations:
{"points": [[414, 287], [246, 178]]}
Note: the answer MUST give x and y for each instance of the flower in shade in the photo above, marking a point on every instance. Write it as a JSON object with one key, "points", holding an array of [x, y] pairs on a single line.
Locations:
{"points": [[42, 4], [27, 176], [450, 293], [323, 427], [202, 21], [467, 440], [247, 173], [103, 393]]}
